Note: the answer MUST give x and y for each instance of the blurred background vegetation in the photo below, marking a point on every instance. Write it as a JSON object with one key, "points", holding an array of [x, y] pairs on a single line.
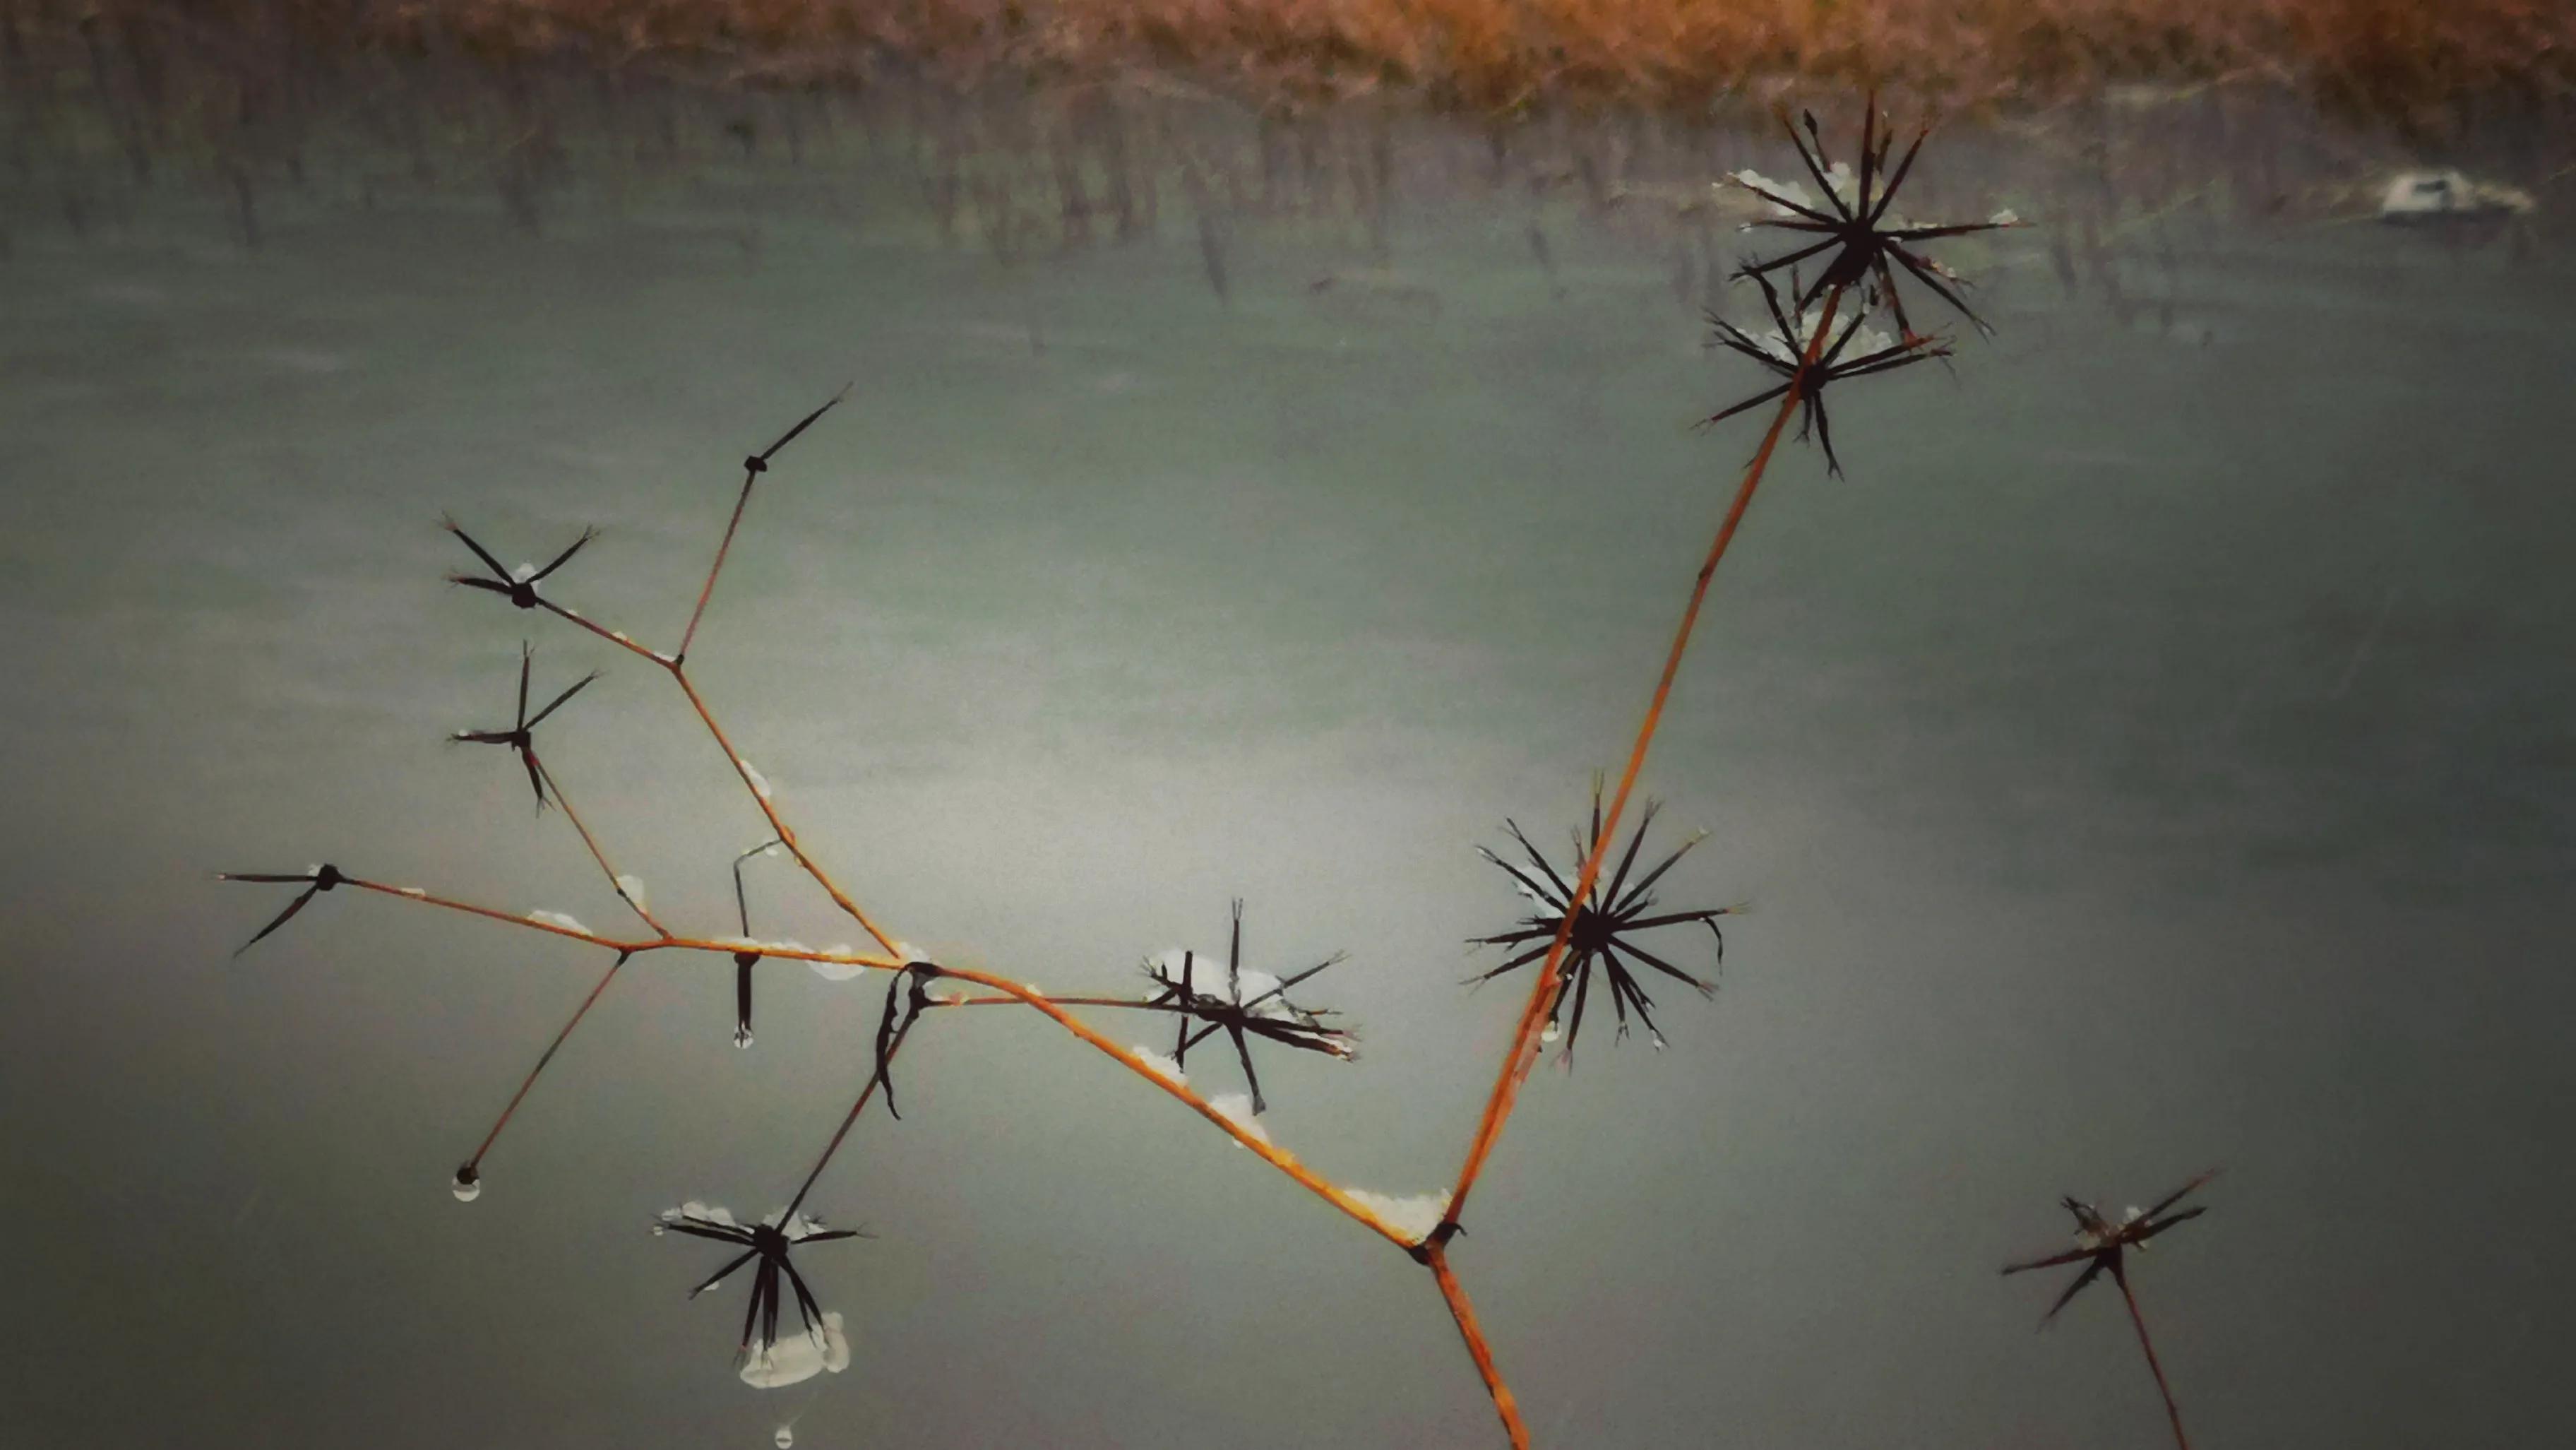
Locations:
{"points": [[1021, 126]]}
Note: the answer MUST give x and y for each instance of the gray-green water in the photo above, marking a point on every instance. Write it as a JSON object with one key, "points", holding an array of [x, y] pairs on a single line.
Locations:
{"points": [[2155, 755]]}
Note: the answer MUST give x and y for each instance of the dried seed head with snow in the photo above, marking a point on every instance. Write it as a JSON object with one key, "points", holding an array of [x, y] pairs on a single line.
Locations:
{"points": [[1867, 244], [1853, 350], [1243, 1004], [768, 1241]]}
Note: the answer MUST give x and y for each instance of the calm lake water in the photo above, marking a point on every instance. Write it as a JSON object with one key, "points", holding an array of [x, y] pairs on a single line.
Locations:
{"points": [[2155, 754]]}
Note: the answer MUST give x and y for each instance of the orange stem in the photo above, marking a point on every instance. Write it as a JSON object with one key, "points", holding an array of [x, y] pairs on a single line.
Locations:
{"points": [[612, 636], [1437, 1256], [543, 1058], [707, 591], [1524, 1050], [595, 853], [1279, 1158], [786, 834], [1000, 1001], [516, 918]]}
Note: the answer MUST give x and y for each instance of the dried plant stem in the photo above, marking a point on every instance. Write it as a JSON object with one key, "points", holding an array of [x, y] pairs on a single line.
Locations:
{"points": [[588, 840], [1524, 1049], [543, 1058], [2173, 1412], [1436, 1255], [1525, 1038], [874, 1077], [612, 636], [679, 673], [752, 468], [1279, 1158], [707, 590], [1001, 1001], [786, 833], [414, 893]]}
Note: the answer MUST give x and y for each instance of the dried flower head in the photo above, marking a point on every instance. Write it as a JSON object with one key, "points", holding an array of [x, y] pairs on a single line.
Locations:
{"points": [[1241, 1002], [520, 736], [1602, 936], [1855, 350], [770, 1242], [2100, 1242], [519, 585], [1852, 221], [317, 878]]}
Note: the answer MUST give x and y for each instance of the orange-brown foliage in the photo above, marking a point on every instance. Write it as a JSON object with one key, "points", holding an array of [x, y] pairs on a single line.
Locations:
{"points": [[2395, 59]]}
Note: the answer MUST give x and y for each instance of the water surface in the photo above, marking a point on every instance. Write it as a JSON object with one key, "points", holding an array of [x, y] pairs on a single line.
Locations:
{"points": [[2154, 755]]}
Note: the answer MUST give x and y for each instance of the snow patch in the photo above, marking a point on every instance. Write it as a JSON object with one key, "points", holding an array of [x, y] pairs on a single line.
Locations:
{"points": [[798, 1359], [1413, 1215], [838, 971], [1236, 1108]]}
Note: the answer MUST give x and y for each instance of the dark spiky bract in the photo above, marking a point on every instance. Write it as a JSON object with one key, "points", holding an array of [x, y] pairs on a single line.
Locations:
{"points": [[316, 881], [521, 592], [1603, 938], [521, 737], [775, 1274], [1210, 1000], [2101, 1244], [893, 1029], [1867, 248], [1783, 353]]}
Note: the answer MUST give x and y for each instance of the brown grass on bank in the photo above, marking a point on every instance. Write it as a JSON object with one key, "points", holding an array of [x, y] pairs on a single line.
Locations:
{"points": [[2412, 62]]}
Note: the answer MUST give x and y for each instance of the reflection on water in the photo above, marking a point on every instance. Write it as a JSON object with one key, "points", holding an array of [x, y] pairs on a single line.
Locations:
{"points": [[2155, 753]]}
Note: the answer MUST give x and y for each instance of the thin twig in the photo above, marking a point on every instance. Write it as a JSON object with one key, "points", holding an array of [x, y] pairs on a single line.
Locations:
{"points": [[707, 590], [543, 1058], [1008, 1001], [752, 468], [1279, 1158], [2173, 1412], [615, 637], [520, 919], [1524, 1048], [1436, 1255], [615, 884], [786, 834], [865, 1093]]}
